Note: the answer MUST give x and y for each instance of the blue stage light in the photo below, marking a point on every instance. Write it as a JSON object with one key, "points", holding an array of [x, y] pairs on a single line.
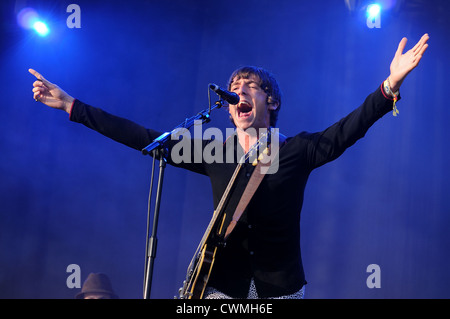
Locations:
{"points": [[41, 28], [373, 10], [29, 19]]}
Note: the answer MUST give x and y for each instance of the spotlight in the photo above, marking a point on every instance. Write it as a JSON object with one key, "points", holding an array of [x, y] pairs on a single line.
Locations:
{"points": [[29, 19], [373, 10], [41, 28], [373, 16]]}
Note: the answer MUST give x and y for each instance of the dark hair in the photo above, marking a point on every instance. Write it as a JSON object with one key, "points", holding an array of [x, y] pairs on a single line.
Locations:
{"points": [[266, 81]]}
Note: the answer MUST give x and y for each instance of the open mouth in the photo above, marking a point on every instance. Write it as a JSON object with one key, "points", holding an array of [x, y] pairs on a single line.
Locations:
{"points": [[244, 109]]}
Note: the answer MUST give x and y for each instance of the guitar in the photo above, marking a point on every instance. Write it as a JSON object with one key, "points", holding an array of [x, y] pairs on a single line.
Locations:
{"points": [[200, 268]]}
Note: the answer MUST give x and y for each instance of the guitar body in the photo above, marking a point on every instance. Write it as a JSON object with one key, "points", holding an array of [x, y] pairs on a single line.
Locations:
{"points": [[201, 266], [203, 272]]}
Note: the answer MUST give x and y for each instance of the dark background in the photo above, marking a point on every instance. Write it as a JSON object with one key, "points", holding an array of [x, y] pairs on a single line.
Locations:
{"points": [[71, 196]]}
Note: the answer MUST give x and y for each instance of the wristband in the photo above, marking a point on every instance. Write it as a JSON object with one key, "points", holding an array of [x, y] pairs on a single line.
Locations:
{"points": [[388, 91]]}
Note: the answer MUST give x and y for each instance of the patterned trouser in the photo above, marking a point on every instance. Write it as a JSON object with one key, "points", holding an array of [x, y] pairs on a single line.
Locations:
{"points": [[212, 293]]}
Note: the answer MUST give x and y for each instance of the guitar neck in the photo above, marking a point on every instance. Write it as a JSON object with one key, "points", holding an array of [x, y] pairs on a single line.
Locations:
{"points": [[220, 207]]}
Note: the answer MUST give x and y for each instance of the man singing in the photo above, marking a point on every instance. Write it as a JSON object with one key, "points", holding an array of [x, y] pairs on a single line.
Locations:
{"points": [[262, 256]]}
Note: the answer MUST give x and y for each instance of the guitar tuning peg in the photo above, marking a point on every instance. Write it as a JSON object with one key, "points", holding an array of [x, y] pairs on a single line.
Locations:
{"points": [[266, 151], [255, 162], [260, 157]]}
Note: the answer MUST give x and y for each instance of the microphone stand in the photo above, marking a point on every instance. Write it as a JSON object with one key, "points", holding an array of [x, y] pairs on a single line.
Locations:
{"points": [[158, 150]]}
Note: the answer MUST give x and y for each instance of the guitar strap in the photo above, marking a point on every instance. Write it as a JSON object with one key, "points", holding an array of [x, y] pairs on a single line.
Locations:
{"points": [[252, 185]]}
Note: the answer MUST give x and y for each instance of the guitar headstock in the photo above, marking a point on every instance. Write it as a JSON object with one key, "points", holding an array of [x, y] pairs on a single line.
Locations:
{"points": [[255, 155]]}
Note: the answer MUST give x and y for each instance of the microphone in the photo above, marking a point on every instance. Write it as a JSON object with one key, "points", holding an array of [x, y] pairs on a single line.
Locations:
{"points": [[228, 96]]}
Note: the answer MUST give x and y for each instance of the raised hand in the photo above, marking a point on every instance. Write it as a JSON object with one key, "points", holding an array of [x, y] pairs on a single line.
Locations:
{"points": [[403, 63], [50, 94]]}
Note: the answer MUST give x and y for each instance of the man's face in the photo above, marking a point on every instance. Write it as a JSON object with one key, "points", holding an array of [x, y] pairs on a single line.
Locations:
{"points": [[252, 110]]}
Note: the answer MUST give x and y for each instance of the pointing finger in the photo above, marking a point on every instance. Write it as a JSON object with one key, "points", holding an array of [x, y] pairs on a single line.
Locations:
{"points": [[41, 78], [35, 73]]}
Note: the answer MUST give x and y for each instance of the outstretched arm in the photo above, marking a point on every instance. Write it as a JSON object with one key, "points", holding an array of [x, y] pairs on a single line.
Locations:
{"points": [[404, 63], [332, 142], [50, 94]]}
